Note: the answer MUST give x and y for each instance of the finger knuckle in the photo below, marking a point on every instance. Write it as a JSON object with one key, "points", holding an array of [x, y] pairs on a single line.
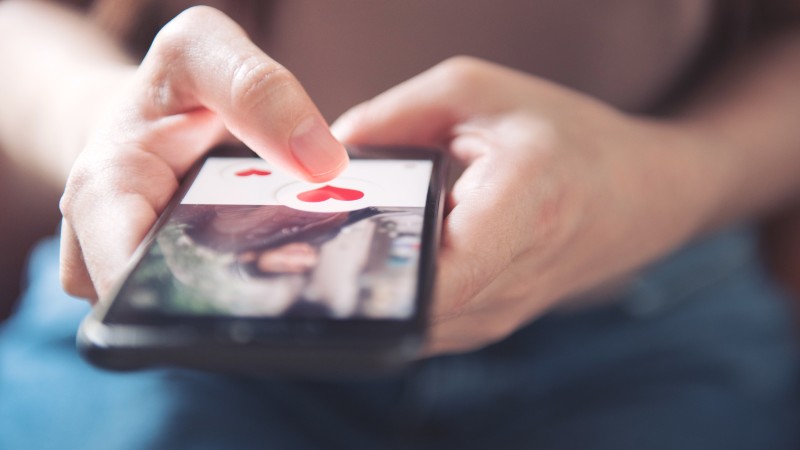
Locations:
{"points": [[189, 23], [200, 14], [461, 72], [73, 283], [91, 183], [257, 79], [65, 202], [167, 53], [171, 43], [178, 32], [79, 177], [74, 286]]}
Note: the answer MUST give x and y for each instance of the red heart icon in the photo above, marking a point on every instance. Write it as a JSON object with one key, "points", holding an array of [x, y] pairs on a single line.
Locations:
{"points": [[252, 171], [327, 191]]}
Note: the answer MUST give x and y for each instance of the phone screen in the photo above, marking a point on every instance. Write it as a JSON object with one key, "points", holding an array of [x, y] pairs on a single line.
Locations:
{"points": [[249, 241]]}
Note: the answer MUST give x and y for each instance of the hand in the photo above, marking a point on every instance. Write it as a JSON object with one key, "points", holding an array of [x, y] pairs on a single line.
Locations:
{"points": [[201, 80], [559, 194]]}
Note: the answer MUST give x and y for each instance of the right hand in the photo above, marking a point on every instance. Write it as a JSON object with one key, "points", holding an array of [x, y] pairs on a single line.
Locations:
{"points": [[201, 80]]}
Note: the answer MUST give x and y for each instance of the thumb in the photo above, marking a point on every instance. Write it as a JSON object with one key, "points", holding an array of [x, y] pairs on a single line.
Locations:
{"points": [[423, 110]]}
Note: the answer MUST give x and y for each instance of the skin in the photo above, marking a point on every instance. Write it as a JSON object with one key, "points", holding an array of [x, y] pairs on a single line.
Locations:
{"points": [[560, 193], [503, 261]]}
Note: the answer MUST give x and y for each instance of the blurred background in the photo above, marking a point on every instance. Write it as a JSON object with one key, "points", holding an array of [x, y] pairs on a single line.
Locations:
{"points": [[28, 212]]}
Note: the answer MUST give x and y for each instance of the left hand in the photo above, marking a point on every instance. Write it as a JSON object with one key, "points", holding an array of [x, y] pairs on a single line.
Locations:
{"points": [[560, 192]]}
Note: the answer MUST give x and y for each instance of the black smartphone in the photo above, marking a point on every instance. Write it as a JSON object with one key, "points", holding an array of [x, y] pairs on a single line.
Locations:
{"points": [[251, 270]]}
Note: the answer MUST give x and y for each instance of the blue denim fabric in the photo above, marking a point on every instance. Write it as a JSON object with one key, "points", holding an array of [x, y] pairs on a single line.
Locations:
{"points": [[697, 354]]}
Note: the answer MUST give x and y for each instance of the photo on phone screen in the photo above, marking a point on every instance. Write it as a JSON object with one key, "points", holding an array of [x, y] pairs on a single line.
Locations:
{"points": [[247, 240]]}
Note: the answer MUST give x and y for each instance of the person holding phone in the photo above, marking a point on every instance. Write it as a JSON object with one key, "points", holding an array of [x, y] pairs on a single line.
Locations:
{"points": [[591, 293]]}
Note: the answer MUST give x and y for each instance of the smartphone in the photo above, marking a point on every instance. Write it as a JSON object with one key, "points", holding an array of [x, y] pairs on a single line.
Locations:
{"points": [[251, 270]]}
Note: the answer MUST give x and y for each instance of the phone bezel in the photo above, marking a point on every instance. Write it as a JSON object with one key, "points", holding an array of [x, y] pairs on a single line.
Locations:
{"points": [[176, 330]]}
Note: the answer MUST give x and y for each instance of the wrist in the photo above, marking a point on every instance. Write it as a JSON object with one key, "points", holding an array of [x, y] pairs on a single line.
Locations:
{"points": [[678, 186], [705, 173], [748, 172]]}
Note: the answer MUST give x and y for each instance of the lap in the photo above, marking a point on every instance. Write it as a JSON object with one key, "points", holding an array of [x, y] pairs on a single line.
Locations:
{"points": [[698, 354]]}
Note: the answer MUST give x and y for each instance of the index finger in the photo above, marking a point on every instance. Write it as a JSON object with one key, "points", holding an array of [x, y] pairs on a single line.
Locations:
{"points": [[202, 59]]}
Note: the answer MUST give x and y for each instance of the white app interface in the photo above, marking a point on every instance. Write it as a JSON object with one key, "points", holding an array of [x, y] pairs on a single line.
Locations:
{"points": [[252, 181]]}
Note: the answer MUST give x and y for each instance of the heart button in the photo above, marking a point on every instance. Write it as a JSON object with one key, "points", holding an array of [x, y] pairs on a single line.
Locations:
{"points": [[253, 172], [330, 192]]}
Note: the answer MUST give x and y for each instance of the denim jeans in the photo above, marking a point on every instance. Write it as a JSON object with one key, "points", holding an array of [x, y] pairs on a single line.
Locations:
{"points": [[697, 353]]}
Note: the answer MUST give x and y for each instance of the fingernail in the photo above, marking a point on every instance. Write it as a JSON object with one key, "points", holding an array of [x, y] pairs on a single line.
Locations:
{"points": [[315, 148]]}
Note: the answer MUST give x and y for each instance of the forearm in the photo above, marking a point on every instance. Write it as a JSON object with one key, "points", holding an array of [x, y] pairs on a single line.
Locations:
{"points": [[58, 69], [747, 126], [732, 153]]}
